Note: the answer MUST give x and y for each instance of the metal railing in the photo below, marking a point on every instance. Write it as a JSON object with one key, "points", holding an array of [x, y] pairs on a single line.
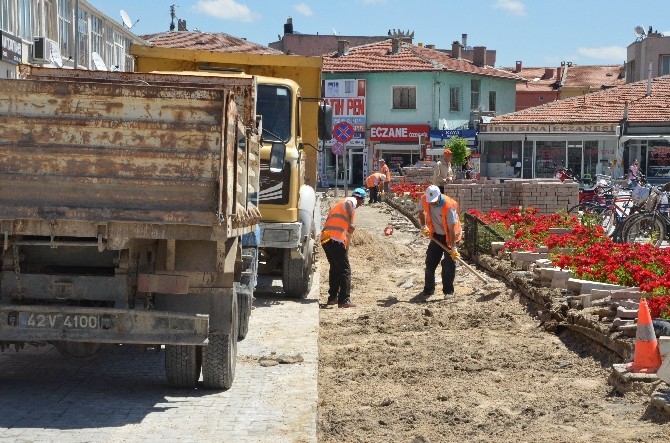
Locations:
{"points": [[478, 236]]}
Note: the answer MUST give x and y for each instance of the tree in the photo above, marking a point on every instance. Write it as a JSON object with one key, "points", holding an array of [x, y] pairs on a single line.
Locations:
{"points": [[459, 150]]}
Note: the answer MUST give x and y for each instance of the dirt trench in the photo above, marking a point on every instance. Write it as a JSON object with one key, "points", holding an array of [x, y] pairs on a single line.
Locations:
{"points": [[475, 367]]}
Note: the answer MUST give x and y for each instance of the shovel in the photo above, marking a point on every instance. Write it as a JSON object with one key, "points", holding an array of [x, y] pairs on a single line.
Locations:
{"points": [[460, 260]]}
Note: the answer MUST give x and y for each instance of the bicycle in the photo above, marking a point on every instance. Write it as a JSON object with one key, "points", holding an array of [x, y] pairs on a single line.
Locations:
{"points": [[652, 225]]}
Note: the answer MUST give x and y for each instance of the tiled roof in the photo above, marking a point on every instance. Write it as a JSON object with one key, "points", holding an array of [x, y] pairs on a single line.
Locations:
{"points": [[205, 41], [377, 57], [596, 77], [603, 106], [546, 79], [535, 79]]}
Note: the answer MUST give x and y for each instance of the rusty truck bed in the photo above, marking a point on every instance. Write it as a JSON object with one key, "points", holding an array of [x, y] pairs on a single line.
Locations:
{"points": [[127, 155]]}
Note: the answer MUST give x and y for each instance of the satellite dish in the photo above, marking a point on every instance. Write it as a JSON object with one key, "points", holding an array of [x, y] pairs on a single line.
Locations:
{"points": [[126, 19], [639, 31], [98, 62]]}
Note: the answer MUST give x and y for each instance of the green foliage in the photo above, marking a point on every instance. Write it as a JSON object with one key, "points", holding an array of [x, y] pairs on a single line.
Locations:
{"points": [[459, 149]]}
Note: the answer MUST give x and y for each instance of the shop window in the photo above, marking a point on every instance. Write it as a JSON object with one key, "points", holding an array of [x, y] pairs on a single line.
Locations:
{"points": [[549, 155], [475, 89], [455, 99], [404, 97]]}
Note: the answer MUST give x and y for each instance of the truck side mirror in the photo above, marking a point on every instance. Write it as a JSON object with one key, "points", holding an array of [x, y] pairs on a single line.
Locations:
{"points": [[325, 122], [277, 157]]}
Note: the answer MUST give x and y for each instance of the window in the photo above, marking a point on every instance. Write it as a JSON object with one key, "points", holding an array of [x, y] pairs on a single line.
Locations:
{"points": [[475, 87], [64, 27], [50, 20], [82, 60], [25, 13], [492, 101], [404, 97], [664, 68], [96, 36], [454, 99]]}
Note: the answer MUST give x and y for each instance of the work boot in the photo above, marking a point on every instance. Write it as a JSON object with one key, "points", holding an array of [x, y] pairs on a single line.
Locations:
{"points": [[332, 301], [347, 304]]}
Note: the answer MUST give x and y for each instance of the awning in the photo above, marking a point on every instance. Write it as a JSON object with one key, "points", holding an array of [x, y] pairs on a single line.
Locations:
{"points": [[398, 147], [625, 138]]}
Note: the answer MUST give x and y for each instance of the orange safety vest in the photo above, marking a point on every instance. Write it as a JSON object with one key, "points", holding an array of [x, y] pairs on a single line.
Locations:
{"points": [[387, 172], [448, 204], [370, 181], [337, 223]]}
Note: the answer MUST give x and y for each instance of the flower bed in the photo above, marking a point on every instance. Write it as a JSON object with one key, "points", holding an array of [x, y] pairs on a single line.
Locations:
{"points": [[594, 256]]}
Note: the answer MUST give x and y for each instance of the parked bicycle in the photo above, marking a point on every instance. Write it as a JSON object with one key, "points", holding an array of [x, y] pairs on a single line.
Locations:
{"points": [[651, 225]]}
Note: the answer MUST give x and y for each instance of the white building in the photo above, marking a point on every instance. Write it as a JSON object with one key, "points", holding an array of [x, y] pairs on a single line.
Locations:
{"points": [[43, 32]]}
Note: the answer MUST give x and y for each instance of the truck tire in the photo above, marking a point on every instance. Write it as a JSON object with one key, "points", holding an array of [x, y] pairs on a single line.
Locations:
{"points": [[182, 365], [297, 274], [244, 302], [219, 357]]}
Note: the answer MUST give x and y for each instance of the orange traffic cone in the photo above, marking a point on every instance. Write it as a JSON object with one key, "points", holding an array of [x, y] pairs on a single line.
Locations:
{"points": [[646, 358]]}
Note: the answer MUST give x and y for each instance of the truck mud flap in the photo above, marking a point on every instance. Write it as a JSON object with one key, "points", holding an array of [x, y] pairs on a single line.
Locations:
{"points": [[99, 325]]}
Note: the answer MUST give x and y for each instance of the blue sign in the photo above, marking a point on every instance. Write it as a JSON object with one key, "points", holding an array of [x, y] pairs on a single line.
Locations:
{"points": [[437, 135]]}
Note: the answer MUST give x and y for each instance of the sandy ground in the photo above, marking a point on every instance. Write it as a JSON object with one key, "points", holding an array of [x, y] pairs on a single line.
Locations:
{"points": [[476, 367]]}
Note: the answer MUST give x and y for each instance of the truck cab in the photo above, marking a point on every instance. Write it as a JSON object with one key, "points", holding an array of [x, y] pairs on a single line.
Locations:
{"points": [[287, 204]]}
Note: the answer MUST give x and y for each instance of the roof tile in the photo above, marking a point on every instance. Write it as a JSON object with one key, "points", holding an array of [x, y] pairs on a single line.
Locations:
{"points": [[205, 41], [378, 57]]}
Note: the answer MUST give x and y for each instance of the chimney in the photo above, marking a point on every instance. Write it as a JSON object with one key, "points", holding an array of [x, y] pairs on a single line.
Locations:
{"points": [[548, 73], [395, 45], [181, 25], [456, 50], [464, 40], [559, 73], [288, 26], [479, 56], [519, 65], [342, 47], [430, 46]]}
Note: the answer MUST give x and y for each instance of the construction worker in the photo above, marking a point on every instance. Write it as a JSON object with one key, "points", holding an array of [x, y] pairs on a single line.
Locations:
{"points": [[443, 174], [439, 220], [374, 183], [335, 235], [384, 169]]}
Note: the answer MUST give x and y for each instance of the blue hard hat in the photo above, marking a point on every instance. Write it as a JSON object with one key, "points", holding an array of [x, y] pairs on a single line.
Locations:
{"points": [[359, 192]]}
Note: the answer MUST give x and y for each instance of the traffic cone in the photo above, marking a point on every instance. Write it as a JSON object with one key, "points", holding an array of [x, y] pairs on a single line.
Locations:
{"points": [[646, 358]]}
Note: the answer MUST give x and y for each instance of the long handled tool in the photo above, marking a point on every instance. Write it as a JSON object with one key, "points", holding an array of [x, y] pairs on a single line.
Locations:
{"points": [[460, 260]]}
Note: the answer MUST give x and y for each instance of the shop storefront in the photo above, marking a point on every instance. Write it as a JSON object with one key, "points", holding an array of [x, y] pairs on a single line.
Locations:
{"points": [[398, 145], [10, 54], [537, 150]]}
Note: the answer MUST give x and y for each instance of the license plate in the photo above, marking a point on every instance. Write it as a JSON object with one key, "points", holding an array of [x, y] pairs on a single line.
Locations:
{"points": [[30, 320]]}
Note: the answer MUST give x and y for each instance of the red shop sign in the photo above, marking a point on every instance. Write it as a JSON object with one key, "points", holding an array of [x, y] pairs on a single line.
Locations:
{"points": [[398, 133]]}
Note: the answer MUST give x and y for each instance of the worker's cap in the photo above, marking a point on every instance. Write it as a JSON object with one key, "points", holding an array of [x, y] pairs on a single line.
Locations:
{"points": [[432, 194], [383, 177], [359, 192], [447, 151], [381, 160]]}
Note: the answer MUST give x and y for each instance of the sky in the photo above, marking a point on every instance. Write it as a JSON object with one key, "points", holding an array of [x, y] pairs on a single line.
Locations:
{"points": [[540, 33]]}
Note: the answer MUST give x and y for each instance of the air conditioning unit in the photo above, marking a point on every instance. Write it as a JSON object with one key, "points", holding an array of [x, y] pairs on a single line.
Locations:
{"points": [[43, 48]]}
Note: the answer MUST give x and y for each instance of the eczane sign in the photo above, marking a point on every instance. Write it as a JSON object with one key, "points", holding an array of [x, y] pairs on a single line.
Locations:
{"points": [[398, 133]]}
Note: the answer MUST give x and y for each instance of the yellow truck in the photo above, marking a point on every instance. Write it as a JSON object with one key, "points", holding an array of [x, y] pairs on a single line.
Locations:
{"points": [[125, 197], [288, 99]]}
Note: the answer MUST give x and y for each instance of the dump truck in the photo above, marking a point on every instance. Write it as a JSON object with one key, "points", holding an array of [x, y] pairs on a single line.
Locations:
{"points": [[288, 99], [124, 199]]}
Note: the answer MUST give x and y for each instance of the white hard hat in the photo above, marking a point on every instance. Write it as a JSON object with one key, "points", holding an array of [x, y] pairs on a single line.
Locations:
{"points": [[432, 194]]}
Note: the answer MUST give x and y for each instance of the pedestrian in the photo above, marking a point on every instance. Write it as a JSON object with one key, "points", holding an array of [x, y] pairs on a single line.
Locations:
{"points": [[439, 220], [374, 183], [443, 174], [384, 169], [634, 174], [335, 235], [469, 169]]}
